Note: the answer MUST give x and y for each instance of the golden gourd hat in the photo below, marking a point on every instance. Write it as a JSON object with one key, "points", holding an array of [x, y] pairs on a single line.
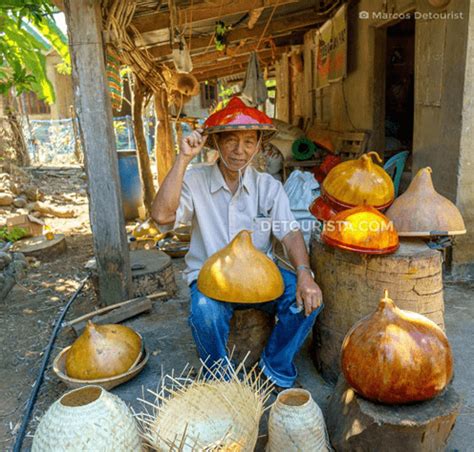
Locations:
{"points": [[421, 211], [239, 273], [357, 182], [362, 229]]}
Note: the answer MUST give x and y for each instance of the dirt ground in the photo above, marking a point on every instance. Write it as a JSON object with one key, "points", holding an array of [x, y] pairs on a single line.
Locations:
{"points": [[29, 312]]}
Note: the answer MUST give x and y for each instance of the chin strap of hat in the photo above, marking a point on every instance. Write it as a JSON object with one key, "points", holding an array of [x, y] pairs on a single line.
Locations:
{"points": [[240, 170]]}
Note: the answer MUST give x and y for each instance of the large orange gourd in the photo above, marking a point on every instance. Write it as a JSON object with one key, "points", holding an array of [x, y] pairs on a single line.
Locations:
{"points": [[395, 356], [239, 273], [357, 182], [103, 351]]}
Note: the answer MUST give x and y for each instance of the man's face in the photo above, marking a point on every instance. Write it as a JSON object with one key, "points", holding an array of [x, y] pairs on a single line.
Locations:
{"points": [[238, 147]]}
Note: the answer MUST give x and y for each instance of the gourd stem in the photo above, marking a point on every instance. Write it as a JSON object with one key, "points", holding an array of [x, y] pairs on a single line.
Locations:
{"points": [[376, 155]]}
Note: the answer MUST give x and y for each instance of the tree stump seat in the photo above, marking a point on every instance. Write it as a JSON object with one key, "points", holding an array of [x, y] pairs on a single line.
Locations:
{"points": [[249, 332], [356, 424]]}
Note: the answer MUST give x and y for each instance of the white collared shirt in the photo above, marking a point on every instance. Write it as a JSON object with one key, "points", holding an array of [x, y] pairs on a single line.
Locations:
{"points": [[216, 216]]}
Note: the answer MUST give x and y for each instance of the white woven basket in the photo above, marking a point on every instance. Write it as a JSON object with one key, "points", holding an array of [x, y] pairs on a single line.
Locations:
{"points": [[202, 414], [296, 423], [87, 419]]}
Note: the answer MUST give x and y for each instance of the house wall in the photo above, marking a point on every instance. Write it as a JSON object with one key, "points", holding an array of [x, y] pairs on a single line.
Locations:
{"points": [[62, 87], [444, 88]]}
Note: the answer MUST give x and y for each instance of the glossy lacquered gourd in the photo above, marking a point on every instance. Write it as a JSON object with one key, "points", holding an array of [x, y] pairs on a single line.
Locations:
{"points": [[361, 229], [357, 182], [321, 209], [395, 356], [239, 273], [422, 211], [103, 351]]}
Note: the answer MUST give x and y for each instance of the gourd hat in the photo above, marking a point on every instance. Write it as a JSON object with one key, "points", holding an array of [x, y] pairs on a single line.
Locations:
{"points": [[421, 211], [240, 273], [357, 182], [103, 351], [361, 229]]}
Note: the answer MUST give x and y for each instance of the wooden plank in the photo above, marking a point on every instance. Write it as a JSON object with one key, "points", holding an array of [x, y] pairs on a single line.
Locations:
{"points": [[111, 307], [309, 69], [278, 26], [93, 108], [117, 315], [238, 52], [201, 12], [283, 90]]}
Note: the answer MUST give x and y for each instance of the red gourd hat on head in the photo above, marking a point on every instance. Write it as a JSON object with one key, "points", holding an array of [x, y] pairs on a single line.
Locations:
{"points": [[238, 116]]}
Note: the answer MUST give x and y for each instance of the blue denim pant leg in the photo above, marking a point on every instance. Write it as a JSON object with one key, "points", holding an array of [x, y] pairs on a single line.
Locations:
{"points": [[210, 325], [209, 320], [287, 336]]}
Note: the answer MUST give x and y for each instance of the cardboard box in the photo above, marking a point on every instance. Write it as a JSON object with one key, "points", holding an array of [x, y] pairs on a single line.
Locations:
{"points": [[32, 225]]}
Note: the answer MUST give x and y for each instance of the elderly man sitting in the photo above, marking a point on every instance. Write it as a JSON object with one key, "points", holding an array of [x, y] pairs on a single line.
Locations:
{"points": [[222, 199]]}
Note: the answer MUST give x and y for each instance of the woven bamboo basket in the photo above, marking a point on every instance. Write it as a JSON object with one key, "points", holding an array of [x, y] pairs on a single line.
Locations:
{"points": [[87, 419], [206, 414], [296, 423], [59, 368]]}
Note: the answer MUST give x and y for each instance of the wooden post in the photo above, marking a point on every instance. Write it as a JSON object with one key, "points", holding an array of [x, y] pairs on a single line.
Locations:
{"points": [[94, 111], [146, 176], [164, 151]]}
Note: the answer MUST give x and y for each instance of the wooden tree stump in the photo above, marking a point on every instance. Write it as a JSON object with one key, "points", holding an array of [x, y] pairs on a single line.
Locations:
{"points": [[353, 283], [152, 271], [41, 248], [355, 424], [249, 331]]}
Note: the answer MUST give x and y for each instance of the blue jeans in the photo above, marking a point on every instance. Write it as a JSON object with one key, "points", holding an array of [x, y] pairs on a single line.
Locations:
{"points": [[210, 319]]}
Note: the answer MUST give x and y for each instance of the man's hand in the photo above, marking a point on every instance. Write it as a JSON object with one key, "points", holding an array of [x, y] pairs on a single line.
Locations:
{"points": [[192, 144], [308, 293]]}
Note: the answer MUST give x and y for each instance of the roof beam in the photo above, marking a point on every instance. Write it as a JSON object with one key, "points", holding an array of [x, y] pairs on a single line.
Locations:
{"points": [[242, 59], [277, 26], [218, 72], [201, 12], [214, 55], [225, 60]]}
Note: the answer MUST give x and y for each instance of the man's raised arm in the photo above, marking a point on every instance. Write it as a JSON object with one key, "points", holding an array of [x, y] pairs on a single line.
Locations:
{"points": [[166, 201]]}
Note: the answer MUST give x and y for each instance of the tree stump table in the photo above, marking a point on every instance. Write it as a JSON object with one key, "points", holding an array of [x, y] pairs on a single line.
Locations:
{"points": [[353, 283], [355, 424], [249, 332], [42, 248], [152, 271]]}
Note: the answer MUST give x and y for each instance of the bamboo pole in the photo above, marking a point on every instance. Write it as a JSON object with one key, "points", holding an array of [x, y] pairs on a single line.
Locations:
{"points": [[164, 149], [146, 176]]}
